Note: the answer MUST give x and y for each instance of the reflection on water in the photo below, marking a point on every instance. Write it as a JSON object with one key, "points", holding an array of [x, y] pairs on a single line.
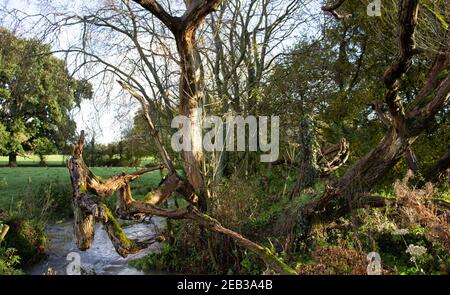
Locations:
{"points": [[101, 258]]}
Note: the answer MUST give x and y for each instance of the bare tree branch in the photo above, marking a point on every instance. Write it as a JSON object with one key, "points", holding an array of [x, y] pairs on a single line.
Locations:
{"points": [[157, 10], [331, 8], [88, 210]]}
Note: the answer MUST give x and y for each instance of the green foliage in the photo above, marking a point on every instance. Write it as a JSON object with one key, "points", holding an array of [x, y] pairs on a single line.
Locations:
{"points": [[251, 264], [43, 146], [37, 94], [28, 237], [9, 260], [49, 200], [3, 136], [167, 260], [185, 253]]}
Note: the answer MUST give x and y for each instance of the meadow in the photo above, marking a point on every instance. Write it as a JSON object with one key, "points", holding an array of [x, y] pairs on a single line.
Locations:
{"points": [[33, 197], [16, 183], [33, 160]]}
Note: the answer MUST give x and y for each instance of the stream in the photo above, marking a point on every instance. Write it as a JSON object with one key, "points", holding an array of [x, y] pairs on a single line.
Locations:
{"points": [[101, 258]]}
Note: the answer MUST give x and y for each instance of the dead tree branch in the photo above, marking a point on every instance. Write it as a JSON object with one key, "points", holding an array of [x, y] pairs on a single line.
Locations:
{"points": [[89, 208], [341, 153], [331, 8]]}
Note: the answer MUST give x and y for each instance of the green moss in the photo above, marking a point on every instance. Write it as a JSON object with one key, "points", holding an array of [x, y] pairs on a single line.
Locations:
{"points": [[275, 260], [83, 188], [148, 197], [118, 231]]}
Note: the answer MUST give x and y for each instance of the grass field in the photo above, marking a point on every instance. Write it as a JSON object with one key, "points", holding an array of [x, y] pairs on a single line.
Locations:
{"points": [[17, 182], [51, 160], [29, 160]]}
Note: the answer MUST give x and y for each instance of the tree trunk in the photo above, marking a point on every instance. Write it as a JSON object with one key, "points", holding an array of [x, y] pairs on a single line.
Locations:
{"points": [[441, 166], [308, 171], [12, 160], [368, 171], [42, 161], [190, 98], [405, 122]]}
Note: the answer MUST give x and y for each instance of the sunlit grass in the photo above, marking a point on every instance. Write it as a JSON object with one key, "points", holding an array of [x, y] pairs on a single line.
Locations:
{"points": [[29, 159], [17, 182]]}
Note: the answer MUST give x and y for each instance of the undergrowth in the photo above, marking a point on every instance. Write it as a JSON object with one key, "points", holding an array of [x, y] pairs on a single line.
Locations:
{"points": [[411, 234]]}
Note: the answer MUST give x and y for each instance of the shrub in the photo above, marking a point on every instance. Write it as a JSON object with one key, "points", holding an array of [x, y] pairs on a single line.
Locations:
{"points": [[28, 237], [8, 261], [335, 260], [27, 220]]}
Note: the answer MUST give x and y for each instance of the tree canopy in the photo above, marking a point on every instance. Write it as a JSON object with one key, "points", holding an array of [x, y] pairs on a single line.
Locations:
{"points": [[37, 94]]}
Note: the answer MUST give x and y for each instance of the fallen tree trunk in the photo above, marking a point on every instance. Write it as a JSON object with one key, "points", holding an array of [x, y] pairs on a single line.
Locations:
{"points": [[89, 192]]}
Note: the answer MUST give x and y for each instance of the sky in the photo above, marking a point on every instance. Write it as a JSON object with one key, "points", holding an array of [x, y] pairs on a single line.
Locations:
{"points": [[100, 114], [107, 115]]}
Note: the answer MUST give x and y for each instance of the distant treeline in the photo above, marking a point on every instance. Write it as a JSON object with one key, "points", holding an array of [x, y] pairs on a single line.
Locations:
{"points": [[94, 159]]}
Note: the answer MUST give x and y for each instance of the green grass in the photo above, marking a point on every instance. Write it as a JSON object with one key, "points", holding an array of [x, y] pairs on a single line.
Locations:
{"points": [[55, 160], [29, 160], [17, 182]]}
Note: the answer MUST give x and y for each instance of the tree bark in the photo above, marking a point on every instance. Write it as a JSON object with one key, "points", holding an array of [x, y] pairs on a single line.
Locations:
{"points": [[405, 124], [190, 99], [42, 161], [89, 193], [369, 170], [12, 161], [411, 160], [441, 166]]}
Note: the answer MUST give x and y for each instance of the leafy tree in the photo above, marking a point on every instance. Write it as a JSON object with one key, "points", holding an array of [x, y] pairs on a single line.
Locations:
{"points": [[43, 146], [36, 96], [3, 134], [138, 142]]}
